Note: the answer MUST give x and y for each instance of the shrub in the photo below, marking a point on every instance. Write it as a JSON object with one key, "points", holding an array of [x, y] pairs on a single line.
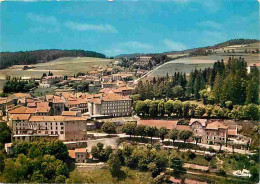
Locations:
{"points": [[222, 172], [192, 155], [211, 149], [109, 127]]}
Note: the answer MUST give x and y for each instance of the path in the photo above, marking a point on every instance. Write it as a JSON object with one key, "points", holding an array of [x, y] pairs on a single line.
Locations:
{"points": [[215, 147], [156, 68]]}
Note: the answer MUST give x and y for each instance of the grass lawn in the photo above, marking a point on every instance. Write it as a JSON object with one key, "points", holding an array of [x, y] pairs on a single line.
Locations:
{"points": [[198, 160], [103, 176]]}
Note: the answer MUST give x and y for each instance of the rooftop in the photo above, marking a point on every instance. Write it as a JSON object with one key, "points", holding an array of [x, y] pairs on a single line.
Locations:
{"points": [[169, 124]]}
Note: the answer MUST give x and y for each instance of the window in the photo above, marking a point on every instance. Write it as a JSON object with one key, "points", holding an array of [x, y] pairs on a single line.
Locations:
{"points": [[61, 132]]}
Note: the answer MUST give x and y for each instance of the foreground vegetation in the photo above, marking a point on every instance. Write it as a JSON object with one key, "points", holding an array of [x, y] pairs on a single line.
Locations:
{"points": [[103, 176], [37, 161]]}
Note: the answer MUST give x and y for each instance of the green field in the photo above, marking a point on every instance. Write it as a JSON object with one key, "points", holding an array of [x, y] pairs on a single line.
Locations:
{"points": [[62, 66]]}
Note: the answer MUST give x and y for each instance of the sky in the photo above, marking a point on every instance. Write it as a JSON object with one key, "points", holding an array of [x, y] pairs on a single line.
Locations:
{"points": [[125, 26]]}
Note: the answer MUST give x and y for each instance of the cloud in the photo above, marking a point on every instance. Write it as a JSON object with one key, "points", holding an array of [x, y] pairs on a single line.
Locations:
{"points": [[113, 51], [90, 27], [128, 47], [135, 45], [175, 46], [42, 19], [213, 37], [211, 24], [44, 29], [176, 1]]}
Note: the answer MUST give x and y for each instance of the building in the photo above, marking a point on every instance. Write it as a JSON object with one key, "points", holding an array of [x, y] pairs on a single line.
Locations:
{"points": [[72, 113], [110, 105], [216, 132], [58, 105], [65, 128], [51, 79], [8, 148], [210, 132], [80, 155], [109, 85]]}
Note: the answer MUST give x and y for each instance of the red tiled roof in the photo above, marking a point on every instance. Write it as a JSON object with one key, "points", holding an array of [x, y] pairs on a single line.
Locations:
{"points": [[114, 97], [80, 150], [232, 132], [43, 109], [216, 125], [31, 110], [169, 124], [69, 113], [201, 121], [20, 116], [182, 127], [31, 104], [71, 153], [55, 118], [18, 110]]}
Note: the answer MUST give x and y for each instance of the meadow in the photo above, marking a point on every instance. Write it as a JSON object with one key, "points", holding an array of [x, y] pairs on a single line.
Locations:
{"points": [[61, 66]]}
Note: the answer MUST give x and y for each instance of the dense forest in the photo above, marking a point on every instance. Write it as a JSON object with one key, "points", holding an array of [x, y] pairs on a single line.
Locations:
{"points": [[8, 59], [236, 42]]}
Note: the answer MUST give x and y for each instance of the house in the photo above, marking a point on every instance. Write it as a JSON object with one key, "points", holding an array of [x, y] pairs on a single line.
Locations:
{"points": [[8, 148], [216, 132], [80, 155], [58, 105], [197, 126]]}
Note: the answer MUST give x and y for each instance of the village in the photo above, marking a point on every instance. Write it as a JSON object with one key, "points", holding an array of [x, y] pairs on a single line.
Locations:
{"points": [[101, 111]]}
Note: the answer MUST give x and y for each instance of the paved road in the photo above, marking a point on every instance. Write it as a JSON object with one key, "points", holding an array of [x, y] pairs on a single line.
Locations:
{"points": [[156, 68]]}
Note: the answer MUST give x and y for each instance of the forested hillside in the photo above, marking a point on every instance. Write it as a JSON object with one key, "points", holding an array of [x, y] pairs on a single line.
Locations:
{"points": [[224, 82], [8, 59]]}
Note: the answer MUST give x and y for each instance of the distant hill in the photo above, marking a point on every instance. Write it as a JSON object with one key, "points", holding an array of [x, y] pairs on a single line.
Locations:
{"points": [[219, 45], [129, 55], [8, 59]]}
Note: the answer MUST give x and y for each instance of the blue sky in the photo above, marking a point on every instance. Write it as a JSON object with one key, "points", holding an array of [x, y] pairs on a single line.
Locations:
{"points": [[120, 27]]}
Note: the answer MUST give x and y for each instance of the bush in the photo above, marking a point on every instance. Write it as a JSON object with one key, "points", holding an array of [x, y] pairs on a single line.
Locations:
{"points": [[211, 149], [221, 172], [60, 179], [191, 155], [109, 127], [208, 157]]}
